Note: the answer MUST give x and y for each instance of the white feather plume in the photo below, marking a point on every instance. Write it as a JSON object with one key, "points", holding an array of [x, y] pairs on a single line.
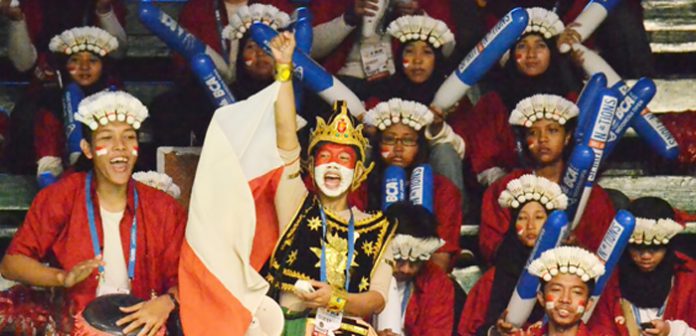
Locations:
{"points": [[93, 39], [568, 260], [530, 187], [395, 110], [654, 232], [544, 22], [423, 28], [160, 181], [245, 16], [107, 106], [407, 247], [543, 106]]}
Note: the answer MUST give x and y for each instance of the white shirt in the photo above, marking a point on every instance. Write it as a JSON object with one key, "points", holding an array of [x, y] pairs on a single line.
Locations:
{"points": [[115, 272]]}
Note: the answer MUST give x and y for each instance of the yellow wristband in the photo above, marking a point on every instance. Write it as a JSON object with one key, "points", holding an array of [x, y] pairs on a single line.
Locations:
{"points": [[283, 72], [337, 301]]}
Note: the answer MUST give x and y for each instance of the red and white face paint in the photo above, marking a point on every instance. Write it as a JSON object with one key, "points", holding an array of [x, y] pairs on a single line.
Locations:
{"points": [[248, 61], [581, 307], [549, 302], [333, 169], [135, 151], [101, 151], [406, 63]]}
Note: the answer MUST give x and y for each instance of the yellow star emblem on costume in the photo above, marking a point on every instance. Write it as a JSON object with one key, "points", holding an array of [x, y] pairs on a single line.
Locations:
{"points": [[314, 223], [292, 257], [336, 259], [368, 248], [364, 284]]}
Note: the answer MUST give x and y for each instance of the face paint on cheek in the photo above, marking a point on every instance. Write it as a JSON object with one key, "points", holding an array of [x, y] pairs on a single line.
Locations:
{"points": [[72, 69], [248, 61], [386, 154], [520, 229], [101, 151], [549, 302], [406, 63], [581, 306], [518, 58], [135, 151]]}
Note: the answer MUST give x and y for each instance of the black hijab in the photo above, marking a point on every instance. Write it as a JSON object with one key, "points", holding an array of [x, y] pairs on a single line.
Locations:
{"points": [[558, 79]]}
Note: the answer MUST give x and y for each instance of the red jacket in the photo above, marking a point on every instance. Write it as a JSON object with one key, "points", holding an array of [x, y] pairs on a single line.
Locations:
{"points": [[538, 330], [430, 310], [56, 229], [608, 316], [476, 306], [495, 221], [448, 210]]}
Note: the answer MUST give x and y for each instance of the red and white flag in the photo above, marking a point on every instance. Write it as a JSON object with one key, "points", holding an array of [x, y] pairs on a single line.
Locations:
{"points": [[232, 226]]}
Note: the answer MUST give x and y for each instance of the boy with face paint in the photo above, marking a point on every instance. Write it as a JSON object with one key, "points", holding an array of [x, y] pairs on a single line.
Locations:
{"points": [[490, 295], [547, 140], [329, 261], [653, 292], [101, 232], [567, 276]]}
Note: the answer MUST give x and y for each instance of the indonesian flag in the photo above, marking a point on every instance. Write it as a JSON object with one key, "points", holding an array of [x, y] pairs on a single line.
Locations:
{"points": [[232, 225]]}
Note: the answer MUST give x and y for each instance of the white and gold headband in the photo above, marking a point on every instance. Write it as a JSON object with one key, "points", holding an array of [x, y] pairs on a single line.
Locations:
{"points": [[109, 106], [159, 181], [654, 232], [530, 187], [423, 28], [543, 106], [568, 260], [79, 39], [245, 16], [394, 111], [543, 21], [410, 248]]}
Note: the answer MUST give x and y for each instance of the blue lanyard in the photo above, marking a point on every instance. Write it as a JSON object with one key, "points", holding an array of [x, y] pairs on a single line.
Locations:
{"points": [[351, 247], [93, 228], [405, 299], [636, 312], [218, 23]]}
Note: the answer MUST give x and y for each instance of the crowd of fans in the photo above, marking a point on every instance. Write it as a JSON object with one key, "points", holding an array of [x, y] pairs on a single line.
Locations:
{"points": [[495, 161]]}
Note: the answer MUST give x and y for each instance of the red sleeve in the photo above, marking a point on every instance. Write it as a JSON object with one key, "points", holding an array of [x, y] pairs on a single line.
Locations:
{"points": [[476, 306], [435, 305], [33, 15], [49, 138], [602, 320], [489, 137], [198, 18], [176, 225], [448, 210], [495, 221], [47, 216], [595, 220]]}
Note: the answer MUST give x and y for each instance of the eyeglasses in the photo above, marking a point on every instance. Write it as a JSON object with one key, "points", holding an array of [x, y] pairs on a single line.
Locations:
{"points": [[407, 142]]}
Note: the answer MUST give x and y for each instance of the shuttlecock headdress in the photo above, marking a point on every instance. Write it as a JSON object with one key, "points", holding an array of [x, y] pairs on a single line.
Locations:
{"points": [[93, 39], [543, 106], [410, 248], [569, 260], [159, 181], [108, 106], [409, 113], [544, 22], [529, 188], [654, 232], [245, 16], [423, 28]]}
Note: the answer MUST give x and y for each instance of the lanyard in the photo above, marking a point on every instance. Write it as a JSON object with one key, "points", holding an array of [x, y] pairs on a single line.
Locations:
{"points": [[93, 228], [636, 312], [351, 247], [218, 23], [405, 299]]}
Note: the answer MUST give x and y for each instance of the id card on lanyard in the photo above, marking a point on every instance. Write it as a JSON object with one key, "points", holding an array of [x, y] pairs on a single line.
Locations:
{"points": [[326, 322], [95, 236]]}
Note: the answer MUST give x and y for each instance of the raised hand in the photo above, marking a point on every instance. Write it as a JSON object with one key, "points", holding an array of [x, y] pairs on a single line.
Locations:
{"points": [[282, 47]]}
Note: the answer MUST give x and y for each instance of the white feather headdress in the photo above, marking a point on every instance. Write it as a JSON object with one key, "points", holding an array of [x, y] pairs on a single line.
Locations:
{"points": [[79, 39], [245, 16], [407, 247], [409, 113], [530, 187], [569, 260], [654, 232], [160, 181], [423, 28], [108, 106], [543, 106], [543, 21]]}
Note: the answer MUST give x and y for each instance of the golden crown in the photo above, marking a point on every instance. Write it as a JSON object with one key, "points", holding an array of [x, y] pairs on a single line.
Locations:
{"points": [[340, 130]]}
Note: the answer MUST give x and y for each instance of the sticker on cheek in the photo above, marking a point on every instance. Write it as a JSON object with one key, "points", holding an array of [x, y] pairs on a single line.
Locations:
{"points": [[549, 302], [248, 61], [406, 63], [386, 154], [520, 229], [518, 58], [101, 151], [135, 151]]}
